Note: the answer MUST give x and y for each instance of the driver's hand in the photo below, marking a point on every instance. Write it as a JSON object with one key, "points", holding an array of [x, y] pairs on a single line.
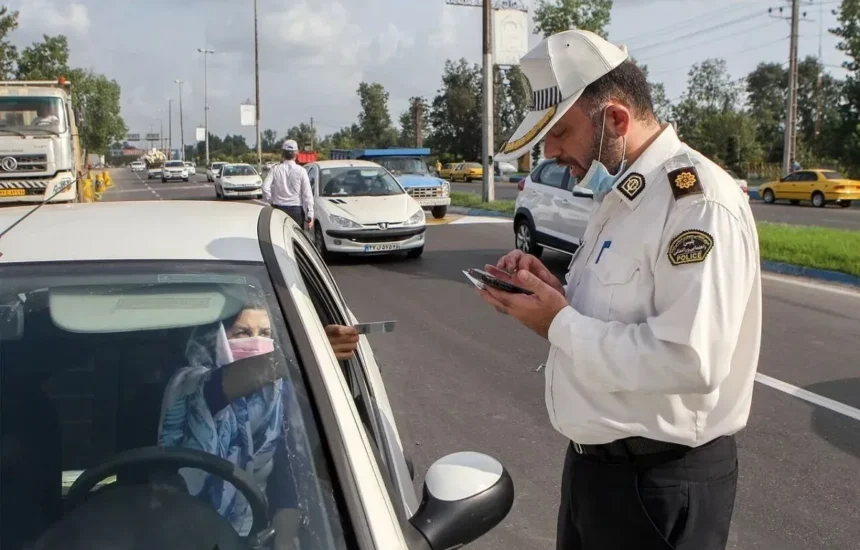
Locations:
{"points": [[343, 340]]}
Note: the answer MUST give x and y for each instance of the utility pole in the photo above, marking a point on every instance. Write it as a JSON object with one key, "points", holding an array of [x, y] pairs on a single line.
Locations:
{"points": [[257, 77], [488, 192], [170, 127], [419, 132], [206, 53], [791, 111], [181, 122], [313, 135]]}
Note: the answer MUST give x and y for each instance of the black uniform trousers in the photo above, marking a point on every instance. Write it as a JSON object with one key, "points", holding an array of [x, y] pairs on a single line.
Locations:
{"points": [[624, 496], [297, 213]]}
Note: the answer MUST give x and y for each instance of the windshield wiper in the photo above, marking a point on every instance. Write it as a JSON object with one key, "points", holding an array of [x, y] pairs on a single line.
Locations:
{"points": [[16, 132]]}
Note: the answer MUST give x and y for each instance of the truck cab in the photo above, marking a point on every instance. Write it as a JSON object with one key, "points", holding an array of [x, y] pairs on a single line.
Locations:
{"points": [[409, 167], [40, 155]]}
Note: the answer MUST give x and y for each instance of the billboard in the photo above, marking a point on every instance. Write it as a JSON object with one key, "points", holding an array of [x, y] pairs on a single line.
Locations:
{"points": [[248, 114], [153, 137], [133, 137], [510, 36], [201, 134]]}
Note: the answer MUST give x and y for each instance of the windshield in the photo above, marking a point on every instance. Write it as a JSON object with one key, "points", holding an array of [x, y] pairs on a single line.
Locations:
{"points": [[833, 175], [101, 358], [358, 182], [241, 170], [174, 164], [32, 115], [217, 165], [399, 166]]}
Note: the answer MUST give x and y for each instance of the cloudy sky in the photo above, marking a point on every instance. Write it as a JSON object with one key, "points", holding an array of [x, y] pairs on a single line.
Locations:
{"points": [[314, 53]]}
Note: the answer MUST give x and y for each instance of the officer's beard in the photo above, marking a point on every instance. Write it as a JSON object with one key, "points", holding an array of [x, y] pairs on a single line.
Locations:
{"points": [[612, 154]]}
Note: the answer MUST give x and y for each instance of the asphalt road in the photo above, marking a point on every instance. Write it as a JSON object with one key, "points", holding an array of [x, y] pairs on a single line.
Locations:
{"points": [[462, 377], [803, 214]]}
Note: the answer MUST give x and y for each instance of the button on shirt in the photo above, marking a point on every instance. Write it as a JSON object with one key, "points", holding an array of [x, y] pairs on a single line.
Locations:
{"points": [[661, 338], [287, 184]]}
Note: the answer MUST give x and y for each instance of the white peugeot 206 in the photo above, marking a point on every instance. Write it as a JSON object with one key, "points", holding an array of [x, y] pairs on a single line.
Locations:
{"points": [[182, 393], [360, 208]]}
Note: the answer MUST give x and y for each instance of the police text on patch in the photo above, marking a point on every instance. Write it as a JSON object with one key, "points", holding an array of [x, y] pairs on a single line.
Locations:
{"points": [[690, 247]]}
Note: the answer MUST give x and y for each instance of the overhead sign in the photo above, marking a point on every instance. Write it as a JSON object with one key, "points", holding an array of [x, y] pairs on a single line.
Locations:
{"points": [[133, 137], [510, 36], [201, 134], [248, 114], [518, 5], [153, 137]]}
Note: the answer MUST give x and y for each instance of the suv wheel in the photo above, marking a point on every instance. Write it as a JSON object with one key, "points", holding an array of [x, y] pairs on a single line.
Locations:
{"points": [[524, 233]]}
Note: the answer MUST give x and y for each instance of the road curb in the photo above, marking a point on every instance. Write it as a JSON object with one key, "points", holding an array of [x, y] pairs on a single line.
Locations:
{"points": [[766, 265]]}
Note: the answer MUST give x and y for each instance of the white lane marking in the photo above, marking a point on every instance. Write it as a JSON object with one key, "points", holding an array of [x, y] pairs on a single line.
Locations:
{"points": [[146, 183], [480, 219], [813, 398], [797, 281]]}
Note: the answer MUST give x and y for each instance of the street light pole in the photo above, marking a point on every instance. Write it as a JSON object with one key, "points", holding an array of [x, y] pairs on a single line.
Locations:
{"points": [[181, 123], [170, 127], [257, 78], [206, 53]]}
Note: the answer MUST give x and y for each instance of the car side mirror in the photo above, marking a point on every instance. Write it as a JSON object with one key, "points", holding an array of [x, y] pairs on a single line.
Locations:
{"points": [[584, 193], [465, 496]]}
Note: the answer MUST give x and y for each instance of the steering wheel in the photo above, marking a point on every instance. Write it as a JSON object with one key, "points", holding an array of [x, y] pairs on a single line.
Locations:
{"points": [[172, 459]]}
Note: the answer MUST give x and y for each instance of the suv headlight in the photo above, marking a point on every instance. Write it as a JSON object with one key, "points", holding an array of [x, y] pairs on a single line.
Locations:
{"points": [[343, 223], [416, 218], [446, 188]]}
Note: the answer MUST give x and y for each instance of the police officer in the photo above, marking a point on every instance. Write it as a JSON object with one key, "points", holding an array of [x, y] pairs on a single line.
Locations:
{"points": [[654, 341], [288, 188]]}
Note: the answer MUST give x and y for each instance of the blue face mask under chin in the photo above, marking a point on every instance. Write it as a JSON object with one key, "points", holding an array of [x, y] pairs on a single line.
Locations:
{"points": [[598, 179]]}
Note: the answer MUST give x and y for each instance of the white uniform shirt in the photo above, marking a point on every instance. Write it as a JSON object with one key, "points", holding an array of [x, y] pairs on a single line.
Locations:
{"points": [[287, 184], [661, 338]]}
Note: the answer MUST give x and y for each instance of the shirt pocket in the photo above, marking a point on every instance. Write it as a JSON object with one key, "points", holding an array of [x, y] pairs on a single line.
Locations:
{"points": [[613, 289]]}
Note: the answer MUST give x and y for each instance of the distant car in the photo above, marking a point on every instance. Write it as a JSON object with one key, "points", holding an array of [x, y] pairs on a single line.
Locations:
{"points": [[238, 181], [446, 171], [360, 208], [138, 166], [550, 211], [192, 168], [467, 171], [503, 168], [174, 170], [99, 340], [153, 173], [742, 183], [213, 169], [817, 186]]}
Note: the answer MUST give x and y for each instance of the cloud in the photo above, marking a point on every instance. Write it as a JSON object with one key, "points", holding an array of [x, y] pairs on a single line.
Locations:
{"points": [[54, 17]]}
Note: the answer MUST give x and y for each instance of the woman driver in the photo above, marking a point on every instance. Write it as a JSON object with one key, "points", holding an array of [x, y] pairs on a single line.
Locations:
{"points": [[230, 403]]}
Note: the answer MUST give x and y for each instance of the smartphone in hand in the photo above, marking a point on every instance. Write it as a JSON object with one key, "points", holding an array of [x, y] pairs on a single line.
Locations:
{"points": [[480, 278]]}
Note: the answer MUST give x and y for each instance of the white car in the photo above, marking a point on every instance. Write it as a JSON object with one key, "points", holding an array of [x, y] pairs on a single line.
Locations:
{"points": [[213, 170], [192, 169], [238, 181], [153, 173], [104, 342], [174, 170], [360, 208], [138, 166], [551, 212]]}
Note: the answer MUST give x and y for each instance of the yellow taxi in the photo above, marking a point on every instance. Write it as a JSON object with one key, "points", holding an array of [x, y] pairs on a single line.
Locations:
{"points": [[467, 171], [447, 170], [817, 186]]}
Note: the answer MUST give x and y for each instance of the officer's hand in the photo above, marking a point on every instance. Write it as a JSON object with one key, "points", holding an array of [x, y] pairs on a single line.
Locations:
{"points": [[343, 340], [517, 260], [536, 311], [310, 223]]}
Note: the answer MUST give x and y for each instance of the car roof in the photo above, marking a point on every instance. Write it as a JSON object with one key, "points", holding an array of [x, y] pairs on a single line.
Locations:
{"points": [[134, 230], [346, 163]]}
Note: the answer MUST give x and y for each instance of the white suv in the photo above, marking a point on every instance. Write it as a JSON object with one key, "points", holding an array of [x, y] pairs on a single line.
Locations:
{"points": [[550, 211]]}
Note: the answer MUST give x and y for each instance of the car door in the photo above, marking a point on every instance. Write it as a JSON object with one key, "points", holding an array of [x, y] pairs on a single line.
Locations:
{"points": [[575, 210], [366, 381], [786, 188], [553, 200]]}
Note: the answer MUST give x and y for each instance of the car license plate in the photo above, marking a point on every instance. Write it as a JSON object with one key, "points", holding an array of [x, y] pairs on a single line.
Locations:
{"points": [[12, 192], [381, 247]]}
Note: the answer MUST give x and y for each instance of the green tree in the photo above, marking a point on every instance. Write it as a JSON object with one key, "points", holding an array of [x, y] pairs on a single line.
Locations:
{"points": [[808, 104], [710, 91], [456, 113], [408, 122], [345, 138], [8, 52], [846, 138], [374, 119], [766, 96], [98, 98], [554, 16], [304, 134], [46, 60], [269, 140]]}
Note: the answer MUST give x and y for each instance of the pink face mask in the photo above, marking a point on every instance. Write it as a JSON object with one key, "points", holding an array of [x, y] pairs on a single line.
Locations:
{"points": [[242, 348]]}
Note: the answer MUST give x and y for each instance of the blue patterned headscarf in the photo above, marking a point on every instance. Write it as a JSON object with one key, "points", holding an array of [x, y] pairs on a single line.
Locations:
{"points": [[246, 432]]}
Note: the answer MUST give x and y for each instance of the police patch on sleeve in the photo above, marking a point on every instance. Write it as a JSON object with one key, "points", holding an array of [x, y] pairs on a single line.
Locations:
{"points": [[685, 181], [690, 247], [632, 186]]}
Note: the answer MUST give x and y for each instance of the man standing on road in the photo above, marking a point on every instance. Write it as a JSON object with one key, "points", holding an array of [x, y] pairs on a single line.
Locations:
{"points": [[288, 188], [655, 338]]}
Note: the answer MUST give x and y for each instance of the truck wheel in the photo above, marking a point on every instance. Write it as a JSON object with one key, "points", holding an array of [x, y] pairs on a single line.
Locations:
{"points": [[439, 212]]}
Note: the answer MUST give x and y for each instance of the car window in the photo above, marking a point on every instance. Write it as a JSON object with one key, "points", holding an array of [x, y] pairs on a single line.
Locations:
{"points": [[552, 174], [101, 358], [313, 177], [358, 181], [239, 170], [832, 175], [809, 176], [175, 164], [792, 177]]}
